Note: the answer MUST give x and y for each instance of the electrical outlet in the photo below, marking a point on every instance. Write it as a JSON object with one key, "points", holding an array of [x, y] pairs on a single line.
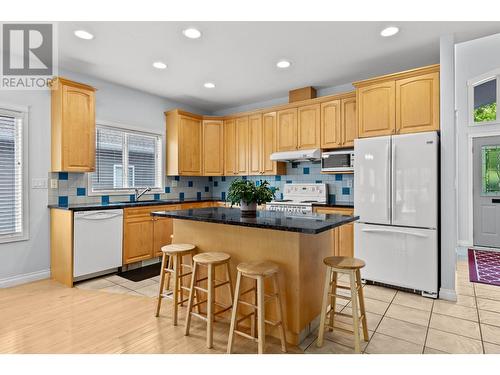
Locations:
{"points": [[349, 183], [175, 183], [39, 183], [54, 183]]}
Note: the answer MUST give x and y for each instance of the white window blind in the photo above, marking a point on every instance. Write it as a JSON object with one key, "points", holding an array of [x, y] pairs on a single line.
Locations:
{"points": [[126, 160], [11, 176]]}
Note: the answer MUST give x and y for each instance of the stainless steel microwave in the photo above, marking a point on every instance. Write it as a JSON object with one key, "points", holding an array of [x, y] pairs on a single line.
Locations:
{"points": [[337, 161]]}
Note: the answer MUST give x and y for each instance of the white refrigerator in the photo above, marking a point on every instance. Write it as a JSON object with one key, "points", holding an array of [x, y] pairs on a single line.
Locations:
{"points": [[396, 199]]}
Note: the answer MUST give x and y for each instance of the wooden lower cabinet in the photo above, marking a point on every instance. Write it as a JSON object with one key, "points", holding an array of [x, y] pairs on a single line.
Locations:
{"points": [[343, 242], [145, 235], [137, 239]]}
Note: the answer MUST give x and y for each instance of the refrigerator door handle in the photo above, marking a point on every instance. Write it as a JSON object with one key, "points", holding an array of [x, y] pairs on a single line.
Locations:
{"points": [[389, 230], [393, 180], [388, 178]]}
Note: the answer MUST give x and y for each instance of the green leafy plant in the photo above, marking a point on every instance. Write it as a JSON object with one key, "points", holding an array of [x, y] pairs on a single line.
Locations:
{"points": [[486, 112], [248, 192]]}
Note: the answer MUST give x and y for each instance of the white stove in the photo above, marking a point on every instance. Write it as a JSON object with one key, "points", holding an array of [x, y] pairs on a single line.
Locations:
{"points": [[299, 198]]}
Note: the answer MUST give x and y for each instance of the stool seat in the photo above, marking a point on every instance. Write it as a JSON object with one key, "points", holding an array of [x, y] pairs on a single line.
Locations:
{"points": [[177, 248], [211, 258], [345, 263], [258, 268]]}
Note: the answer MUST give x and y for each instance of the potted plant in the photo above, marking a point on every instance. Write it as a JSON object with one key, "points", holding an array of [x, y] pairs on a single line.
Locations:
{"points": [[248, 195]]}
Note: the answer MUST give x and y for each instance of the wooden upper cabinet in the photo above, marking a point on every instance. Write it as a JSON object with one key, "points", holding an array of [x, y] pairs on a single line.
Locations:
{"points": [[269, 146], [309, 127], [184, 144], [417, 103], [376, 109], [73, 126], [349, 122], [399, 103], [242, 146], [256, 145], [229, 147], [190, 146], [331, 128], [287, 130], [213, 148]]}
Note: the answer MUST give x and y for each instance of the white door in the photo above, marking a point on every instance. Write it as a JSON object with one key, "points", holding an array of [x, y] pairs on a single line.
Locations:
{"points": [[372, 179], [405, 257], [415, 180], [486, 191]]}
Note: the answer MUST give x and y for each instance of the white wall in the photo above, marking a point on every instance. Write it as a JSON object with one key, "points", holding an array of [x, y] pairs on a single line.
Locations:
{"points": [[448, 178], [29, 260], [472, 59], [283, 100]]}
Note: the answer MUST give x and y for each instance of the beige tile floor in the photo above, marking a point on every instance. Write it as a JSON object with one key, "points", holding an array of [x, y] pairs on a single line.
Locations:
{"points": [[398, 322]]}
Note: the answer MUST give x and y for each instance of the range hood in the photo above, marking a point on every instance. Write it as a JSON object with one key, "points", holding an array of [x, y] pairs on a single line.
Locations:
{"points": [[300, 155]]}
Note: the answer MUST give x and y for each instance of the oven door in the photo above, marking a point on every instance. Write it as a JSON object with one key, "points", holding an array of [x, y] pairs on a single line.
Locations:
{"points": [[337, 161]]}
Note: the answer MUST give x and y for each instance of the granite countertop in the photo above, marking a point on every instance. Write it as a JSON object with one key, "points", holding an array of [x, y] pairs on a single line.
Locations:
{"points": [[118, 205], [308, 224]]}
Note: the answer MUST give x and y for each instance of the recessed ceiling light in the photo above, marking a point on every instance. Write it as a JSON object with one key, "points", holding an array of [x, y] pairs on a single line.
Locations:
{"points": [[283, 64], [192, 33], [159, 65], [390, 31], [82, 34], [209, 85]]}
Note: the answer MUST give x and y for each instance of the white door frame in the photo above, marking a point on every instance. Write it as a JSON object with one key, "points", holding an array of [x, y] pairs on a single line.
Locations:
{"points": [[470, 176]]}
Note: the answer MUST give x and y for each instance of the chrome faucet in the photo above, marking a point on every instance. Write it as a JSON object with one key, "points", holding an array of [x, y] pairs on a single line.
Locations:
{"points": [[138, 195]]}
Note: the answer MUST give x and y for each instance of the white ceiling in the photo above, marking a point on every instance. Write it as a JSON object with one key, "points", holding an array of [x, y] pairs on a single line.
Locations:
{"points": [[240, 57]]}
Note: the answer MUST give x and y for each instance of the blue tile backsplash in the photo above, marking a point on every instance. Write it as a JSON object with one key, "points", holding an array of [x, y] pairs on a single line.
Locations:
{"points": [[73, 188]]}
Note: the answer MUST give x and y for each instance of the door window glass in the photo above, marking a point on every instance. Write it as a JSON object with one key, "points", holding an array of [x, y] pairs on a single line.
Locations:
{"points": [[490, 159]]}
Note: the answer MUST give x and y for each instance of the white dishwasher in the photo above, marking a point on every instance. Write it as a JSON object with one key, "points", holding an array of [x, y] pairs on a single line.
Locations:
{"points": [[97, 242]]}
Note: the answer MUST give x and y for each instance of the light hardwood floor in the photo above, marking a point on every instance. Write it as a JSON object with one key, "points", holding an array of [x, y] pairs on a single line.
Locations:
{"points": [[46, 317]]}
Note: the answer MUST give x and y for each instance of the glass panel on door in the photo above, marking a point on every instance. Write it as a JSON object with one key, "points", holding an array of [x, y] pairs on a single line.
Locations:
{"points": [[490, 176]]}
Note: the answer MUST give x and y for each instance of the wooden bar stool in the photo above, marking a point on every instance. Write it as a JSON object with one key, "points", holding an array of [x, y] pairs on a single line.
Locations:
{"points": [[257, 271], [211, 260], [351, 267], [172, 264]]}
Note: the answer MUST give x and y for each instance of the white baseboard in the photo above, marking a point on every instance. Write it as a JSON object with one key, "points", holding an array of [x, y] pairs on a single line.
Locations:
{"points": [[24, 278], [447, 294]]}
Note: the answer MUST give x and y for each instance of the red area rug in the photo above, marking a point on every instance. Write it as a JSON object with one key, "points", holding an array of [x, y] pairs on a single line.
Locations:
{"points": [[484, 266]]}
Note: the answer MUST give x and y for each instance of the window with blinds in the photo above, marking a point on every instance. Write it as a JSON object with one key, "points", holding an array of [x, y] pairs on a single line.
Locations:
{"points": [[11, 177], [126, 160]]}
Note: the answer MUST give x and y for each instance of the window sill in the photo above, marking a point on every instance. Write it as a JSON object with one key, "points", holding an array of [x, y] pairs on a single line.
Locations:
{"points": [[14, 238]]}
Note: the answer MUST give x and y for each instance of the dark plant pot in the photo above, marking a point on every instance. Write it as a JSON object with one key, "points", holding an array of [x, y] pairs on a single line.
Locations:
{"points": [[248, 209]]}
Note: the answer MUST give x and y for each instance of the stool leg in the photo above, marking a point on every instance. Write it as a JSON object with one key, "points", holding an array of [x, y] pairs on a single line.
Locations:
{"points": [[333, 300], [280, 312], [234, 313], [162, 281], [176, 288], [324, 307], [191, 296], [261, 326], [168, 265], [355, 313], [210, 306], [181, 281], [228, 276], [362, 305]]}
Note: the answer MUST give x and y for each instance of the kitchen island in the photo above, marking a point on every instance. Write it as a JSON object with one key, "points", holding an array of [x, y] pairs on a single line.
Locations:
{"points": [[297, 244]]}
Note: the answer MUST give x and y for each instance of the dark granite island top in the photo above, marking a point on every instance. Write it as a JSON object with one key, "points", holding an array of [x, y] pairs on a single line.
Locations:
{"points": [[307, 224]]}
